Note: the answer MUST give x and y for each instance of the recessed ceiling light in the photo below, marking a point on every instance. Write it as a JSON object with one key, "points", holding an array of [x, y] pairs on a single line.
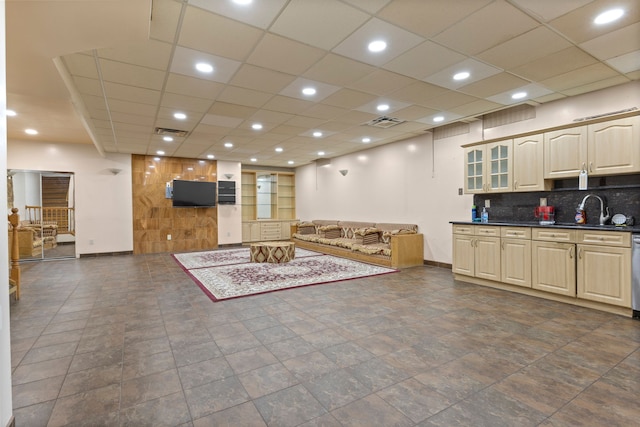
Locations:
{"points": [[210, 156], [157, 159], [317, 134], [461, 75], [377, 46], [167, 138], [203, 67], [382, 107], [253, 159], [309, 91], [31, 131], [438, 119], [290, 162], [180, 116], [11, 113], [189, 169], [279, 150], [608, 16], [243, 2], [228, 144], [202, 163], [320, 153], [519, 95], [152, 166], [160, 153], [366, 140], [147, 173], [256, 126]]}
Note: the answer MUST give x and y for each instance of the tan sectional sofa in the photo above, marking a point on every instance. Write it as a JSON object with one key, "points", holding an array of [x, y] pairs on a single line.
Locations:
{"points": [[387, 244]]}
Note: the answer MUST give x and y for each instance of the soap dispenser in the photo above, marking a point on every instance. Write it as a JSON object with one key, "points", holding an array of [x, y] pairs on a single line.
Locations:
{"points": [[485, 215]]}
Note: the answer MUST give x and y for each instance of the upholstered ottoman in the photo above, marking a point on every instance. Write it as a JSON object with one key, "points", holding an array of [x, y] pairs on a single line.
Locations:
{"points": [[275, 252]]}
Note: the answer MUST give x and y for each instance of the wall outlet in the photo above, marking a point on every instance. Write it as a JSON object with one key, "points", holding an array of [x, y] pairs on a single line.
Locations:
{"points": [[91, 242], [543, 201], [168, 236], [459, 191], [228, 234], [487, 203]]}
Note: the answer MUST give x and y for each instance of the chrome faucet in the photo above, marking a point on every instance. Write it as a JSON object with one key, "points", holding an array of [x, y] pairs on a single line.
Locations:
{"points": [[603, 217]]}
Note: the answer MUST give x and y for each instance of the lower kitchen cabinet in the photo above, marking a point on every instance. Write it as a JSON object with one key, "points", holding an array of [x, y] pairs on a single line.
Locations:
{"points": [[554, 267], [604, 274], [515, 262], [476, 251]]}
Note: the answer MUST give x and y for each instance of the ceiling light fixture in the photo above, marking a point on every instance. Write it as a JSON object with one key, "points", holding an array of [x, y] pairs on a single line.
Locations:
{"points": [[11, 113], [243, 2], [228, 144], [167, 138], [382, 107], [320, 153], [210, 156], [366, 140], [461, 75], [31, 131], [157, 159], [256, 126], [203, 67], [519, 95], [279, 150], [189, 169], [253, 159], [377, 46], [309, 91], [160, 153], [317, 134], [608, 16], [290, 162], [180, 116], [438, 119]]}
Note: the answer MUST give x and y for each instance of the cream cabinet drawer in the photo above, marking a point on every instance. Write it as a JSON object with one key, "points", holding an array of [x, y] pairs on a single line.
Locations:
{"points": [[607, 238], [462, 229], [516, 232], [487, 230], [554, 235]]}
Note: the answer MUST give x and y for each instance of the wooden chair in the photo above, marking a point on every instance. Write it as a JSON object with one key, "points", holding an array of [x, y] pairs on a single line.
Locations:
{"points": [[14, 269]]}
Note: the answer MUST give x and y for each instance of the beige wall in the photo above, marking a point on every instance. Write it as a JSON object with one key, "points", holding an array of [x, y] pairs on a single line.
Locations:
{"points": [[417, 180]]}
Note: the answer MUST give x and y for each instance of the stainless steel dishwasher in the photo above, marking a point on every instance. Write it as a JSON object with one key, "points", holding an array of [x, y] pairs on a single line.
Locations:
{"points": [[635, 275]]}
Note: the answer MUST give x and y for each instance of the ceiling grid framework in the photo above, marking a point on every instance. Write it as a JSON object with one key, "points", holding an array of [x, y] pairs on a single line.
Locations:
{"points": [[263, 55]]}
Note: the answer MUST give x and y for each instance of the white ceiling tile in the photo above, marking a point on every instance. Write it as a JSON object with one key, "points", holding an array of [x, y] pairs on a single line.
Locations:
{"points": [[261, 79], [259, 14], [185, 60], [186, 103], [306, 21], [626, 63], [546, 10], [493, 85], [615, 43], [81, 65], [150, 53], [418, 62], [185, 85], [284, 104], [338, 70], [398, 41], [394, 105], [347, 98], [555, 64], [533, 91], [309, 133], [166, 14], [132, 93], [281, 54], [224, 121], [382, 82], [132, 75], [579, 77], [446, 116], [242, 96]]}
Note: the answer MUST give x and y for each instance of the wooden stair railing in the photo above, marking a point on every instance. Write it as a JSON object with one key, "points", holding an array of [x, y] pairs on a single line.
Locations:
{"points": [[14, 272]]}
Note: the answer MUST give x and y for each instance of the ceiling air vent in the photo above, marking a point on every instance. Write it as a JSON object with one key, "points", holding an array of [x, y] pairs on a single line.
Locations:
{"points": [[384, 122], [171, 132]]}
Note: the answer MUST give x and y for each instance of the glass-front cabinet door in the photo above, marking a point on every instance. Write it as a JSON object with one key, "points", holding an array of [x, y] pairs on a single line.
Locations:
{"points": [[488, 167], [500, 166], [474, 169]]}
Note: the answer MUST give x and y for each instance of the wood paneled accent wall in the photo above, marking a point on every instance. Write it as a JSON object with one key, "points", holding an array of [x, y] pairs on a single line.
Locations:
{"points": [[154, 218]]}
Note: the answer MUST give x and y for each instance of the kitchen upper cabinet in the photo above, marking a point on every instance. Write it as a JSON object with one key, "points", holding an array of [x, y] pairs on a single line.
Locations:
{"points": [[489, 167], [528, 164], [565, 152], [613, 147]]}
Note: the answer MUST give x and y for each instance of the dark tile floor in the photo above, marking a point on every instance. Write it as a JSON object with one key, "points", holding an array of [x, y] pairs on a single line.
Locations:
{"points": [[131, 341]]}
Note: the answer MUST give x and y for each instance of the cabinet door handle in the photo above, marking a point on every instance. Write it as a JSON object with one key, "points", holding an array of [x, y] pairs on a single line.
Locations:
{"points": [[515, 184], [502, 244], [571, 252], [591, 167], [584, 167], [580, 253]]}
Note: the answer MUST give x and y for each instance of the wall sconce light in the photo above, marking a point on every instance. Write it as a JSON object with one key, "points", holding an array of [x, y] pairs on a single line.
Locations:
{"points": [[115, 171], [344, 172], [228, 175]]}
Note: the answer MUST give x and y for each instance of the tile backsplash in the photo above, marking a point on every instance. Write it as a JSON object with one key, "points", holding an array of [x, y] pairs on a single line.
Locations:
{"points": [[621, 195]]}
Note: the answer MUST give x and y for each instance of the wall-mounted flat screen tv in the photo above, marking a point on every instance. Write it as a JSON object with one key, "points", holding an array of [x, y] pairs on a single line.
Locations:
{"points": [[195, 194]]}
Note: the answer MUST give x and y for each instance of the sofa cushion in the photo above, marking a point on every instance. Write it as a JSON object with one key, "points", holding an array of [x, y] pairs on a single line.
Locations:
{"points": [[349, 227]]}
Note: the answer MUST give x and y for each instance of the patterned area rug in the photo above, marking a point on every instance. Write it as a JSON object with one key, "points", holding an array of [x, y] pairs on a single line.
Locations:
{"points": [[238, 280], [217, 258]]}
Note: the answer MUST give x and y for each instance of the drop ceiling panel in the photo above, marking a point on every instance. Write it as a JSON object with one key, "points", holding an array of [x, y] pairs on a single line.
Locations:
{"points": [[555, 64], [414, 112], [418, 93], [131, 75], [203, 31], [127, 107], [338, 70], [304, 122], [347, 98], [537, 43], [294, 89], [627, 63], [397, 39], [270, 117], [281, 54], [382, 82], [477, 70], [615, 43], [262, 79], [258, 14], [190, 86], [165, 14], [132, 93], [493, 85], [486, 28], [242, 96], [223, 121], [356, 117], [131, 118], [285, 104], [150, 53], [88, 86], [532, 90], [231, 110], [429, 18], [186, 103], [306, 21], [418, 62], [81, 65], [449, 100], [326, 112], [578, 24], [475, 108], [590, 87], [579, 77], [185, 60], [550, 9]]}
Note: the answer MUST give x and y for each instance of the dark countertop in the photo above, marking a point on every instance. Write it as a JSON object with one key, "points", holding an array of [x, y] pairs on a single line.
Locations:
{"points": [[608, 227]]}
